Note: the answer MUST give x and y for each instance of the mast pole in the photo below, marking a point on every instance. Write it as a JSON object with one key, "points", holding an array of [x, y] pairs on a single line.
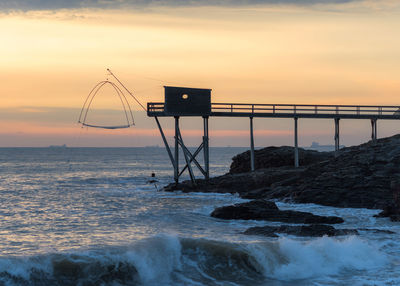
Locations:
{"points": [[127, 90]]}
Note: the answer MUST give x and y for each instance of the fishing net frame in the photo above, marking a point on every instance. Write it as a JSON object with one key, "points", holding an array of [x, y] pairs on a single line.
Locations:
{"points": [[88, 102]]}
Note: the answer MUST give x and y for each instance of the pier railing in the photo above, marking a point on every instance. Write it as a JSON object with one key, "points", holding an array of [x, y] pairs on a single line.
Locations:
{"points": [[155, 107], [292, 110]]}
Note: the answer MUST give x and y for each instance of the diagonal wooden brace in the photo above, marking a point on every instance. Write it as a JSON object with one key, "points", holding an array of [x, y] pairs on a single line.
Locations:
{"points": [[165, 142], [186, 155], [192, 158]]}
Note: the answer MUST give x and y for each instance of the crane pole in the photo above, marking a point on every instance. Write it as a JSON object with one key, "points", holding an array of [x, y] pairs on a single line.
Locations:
{"points": [[144, 108]]}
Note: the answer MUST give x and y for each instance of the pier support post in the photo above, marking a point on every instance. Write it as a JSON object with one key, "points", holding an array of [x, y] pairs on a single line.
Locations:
{"points": [[374, 130], [176, 166], [296, 144], [337, 137], [206, 148], [252, 163]]}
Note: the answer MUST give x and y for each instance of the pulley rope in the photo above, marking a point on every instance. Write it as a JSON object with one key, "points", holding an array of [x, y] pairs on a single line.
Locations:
{"points": [[144, 108]]}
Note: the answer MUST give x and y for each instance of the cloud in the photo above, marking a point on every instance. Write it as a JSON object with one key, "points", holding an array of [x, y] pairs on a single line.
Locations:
{"points": [[27, 5]]}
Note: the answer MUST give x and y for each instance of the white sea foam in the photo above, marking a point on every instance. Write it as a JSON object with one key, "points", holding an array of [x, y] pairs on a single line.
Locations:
{"points": [[294, 259], [150, 261], [156, 257], [170, 260]]}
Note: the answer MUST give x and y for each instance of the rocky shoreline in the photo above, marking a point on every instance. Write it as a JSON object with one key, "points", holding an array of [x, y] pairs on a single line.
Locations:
{"points": [[266, 210], [314, 230], [363, 176]]}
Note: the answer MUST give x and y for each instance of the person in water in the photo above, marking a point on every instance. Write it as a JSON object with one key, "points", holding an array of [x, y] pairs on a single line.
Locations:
{"points": [[153, 180]]}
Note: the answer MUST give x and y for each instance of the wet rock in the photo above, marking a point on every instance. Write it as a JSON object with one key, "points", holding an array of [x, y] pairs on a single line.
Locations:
{"points": [[392, 210], [313, 230], [359, 177], [247, 185], [266, 210], [256, 194], [375, 230], [276, 157]]}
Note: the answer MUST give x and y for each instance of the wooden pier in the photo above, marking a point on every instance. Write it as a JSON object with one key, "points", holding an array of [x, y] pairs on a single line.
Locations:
{"points": [[183, 102]]}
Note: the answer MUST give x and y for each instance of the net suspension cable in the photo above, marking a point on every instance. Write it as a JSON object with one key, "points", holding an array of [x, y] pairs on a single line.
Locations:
{"points": [[130, 93]]}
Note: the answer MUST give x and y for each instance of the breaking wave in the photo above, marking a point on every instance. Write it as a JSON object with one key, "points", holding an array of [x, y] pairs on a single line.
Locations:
{"points": [[169, 260]]}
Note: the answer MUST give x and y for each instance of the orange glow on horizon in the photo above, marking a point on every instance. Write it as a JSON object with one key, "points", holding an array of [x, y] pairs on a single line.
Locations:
{"points": [[257, 54]]}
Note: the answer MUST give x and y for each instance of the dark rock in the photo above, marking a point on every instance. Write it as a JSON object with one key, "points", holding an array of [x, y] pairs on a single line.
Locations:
{"points": [[246, 184], [266, 210], [276, 157], [374, 230], [359, 177], [314, 230], [256, 209], [256, 194], [392, 210]]}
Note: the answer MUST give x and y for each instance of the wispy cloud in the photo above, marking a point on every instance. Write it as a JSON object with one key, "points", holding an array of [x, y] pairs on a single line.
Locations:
{"points": [[26, 5]]}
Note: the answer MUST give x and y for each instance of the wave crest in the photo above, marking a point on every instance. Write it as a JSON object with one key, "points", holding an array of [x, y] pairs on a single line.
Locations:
{"points": [[169, 260]]}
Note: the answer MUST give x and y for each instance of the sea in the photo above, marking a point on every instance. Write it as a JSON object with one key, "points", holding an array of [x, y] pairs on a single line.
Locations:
{"points": [[92, 216]]}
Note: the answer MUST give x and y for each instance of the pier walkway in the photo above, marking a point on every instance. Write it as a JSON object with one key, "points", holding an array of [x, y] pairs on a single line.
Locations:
{"points": [[178, 108], [291, 111]]}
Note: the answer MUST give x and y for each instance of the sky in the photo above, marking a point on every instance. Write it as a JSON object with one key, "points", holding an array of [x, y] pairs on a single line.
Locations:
{"points": [[53, 52]]}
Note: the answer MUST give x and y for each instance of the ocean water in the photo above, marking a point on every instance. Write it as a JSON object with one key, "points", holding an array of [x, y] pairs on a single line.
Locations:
{"points": [[88, 216]]}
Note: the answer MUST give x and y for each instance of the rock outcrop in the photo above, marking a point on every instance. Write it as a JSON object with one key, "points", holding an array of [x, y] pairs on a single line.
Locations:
{"points": [[393, 209], [313, 230], [271, 157], [266, 210], [359, 177]]}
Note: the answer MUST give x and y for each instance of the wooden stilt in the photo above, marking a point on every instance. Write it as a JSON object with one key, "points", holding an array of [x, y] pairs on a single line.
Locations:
{"points": [[206, 148], [176, 167], [165, 142], [337, 137], [296, 144], [252, 163], [374, 130]]}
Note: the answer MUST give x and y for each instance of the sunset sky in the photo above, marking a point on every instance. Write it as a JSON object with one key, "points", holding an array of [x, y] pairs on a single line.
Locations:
{"points": [[52, 53]]}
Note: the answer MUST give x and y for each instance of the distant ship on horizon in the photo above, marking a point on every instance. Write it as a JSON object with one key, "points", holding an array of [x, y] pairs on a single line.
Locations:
{"points": [[58, 146]]}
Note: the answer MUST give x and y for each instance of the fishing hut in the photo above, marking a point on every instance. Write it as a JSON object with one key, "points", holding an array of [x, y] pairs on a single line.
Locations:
{"points": [[179, 102], [182, 101]]}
